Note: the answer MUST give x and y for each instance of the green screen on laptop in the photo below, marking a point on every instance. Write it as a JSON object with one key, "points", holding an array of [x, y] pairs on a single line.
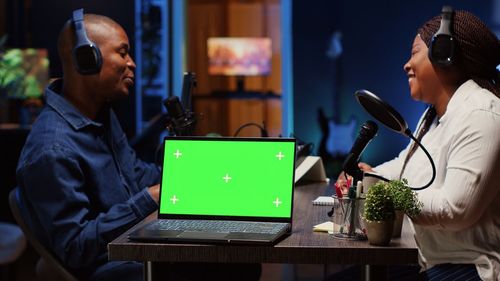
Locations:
{"points": [[228, 177]]}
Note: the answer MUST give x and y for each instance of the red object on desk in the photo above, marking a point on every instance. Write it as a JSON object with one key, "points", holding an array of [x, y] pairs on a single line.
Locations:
{"points": [[338, 191], [343, 190]]}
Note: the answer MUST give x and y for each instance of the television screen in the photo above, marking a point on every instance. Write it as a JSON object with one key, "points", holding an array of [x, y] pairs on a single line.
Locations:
{"points": [[239, 56], [24, 73]]}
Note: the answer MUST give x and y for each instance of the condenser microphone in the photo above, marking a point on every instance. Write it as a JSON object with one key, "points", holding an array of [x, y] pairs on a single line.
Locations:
{"points": [[366, 134], [181, 121]]}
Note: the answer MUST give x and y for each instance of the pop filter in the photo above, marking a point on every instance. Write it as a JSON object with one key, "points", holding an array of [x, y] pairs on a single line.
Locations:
{"points": [[387, 115], [382, 111]]}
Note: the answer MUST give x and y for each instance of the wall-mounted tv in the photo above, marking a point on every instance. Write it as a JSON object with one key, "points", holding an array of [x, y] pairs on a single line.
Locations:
{"points": [[239, 56]]}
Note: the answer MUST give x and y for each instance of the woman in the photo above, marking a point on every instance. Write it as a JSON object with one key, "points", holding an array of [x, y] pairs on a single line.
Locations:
{"points": [[458, 231]]}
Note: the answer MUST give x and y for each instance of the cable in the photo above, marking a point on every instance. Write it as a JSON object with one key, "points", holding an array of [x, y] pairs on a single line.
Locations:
{"points": [[263, 130], [430, 159], [410, 135]]}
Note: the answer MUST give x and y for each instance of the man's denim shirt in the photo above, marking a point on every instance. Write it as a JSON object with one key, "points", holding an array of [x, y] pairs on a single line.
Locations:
{"points": [[81, 184]]}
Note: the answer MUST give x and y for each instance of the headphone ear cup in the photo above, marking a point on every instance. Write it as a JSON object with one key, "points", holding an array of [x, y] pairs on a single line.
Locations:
{"points": [[442, 46], [442, 50], [86, 55], [87, 59]]}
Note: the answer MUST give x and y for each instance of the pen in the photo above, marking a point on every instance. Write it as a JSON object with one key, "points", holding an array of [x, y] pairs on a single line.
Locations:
{"points": [[338, 192], [359, 187]]}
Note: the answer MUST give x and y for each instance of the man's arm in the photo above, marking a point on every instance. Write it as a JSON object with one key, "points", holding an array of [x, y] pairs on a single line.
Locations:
{"points": [[78, 231], [144, 174]]}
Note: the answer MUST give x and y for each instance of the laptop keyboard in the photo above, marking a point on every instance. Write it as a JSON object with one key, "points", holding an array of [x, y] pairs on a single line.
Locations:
{"points": [[218, 226]]}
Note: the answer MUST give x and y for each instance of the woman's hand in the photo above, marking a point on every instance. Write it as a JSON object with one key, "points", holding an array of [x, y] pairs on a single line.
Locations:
{"points": [[343, 183], [365, 167]]}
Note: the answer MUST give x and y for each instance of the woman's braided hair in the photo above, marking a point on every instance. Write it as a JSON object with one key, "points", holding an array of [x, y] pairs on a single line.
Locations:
{"points": [[478, 49]]}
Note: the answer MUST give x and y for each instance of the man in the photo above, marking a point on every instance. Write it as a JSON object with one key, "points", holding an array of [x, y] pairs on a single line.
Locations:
{"points": [[80, 181], [81, 184]]}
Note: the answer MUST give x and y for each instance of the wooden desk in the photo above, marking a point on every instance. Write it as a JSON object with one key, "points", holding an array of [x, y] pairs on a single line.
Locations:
{"points": [[303, 246]]}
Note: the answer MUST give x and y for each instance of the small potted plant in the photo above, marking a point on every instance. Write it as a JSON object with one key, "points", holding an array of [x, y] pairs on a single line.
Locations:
{"points": [[23, 76], [379, 214], [405, 201]]}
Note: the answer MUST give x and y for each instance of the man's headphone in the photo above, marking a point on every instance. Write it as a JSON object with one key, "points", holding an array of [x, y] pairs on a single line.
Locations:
{"points": [[86, 54], [443, 45]]}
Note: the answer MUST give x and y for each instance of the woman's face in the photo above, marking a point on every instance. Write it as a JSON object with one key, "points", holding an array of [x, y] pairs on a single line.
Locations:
{"points": [[422, 77]]}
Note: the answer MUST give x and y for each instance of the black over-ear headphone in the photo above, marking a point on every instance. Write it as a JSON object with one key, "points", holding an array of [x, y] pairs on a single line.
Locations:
{"points": [[86, 54], [443, 45]]}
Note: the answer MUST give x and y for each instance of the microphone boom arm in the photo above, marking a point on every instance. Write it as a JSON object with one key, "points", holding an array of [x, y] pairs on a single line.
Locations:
{"points": [[408, 133]]}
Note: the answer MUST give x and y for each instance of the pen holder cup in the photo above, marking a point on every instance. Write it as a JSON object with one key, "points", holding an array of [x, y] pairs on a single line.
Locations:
{"points": [[347, 218]]}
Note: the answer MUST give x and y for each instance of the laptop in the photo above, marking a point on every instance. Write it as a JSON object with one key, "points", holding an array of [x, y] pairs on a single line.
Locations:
{"points": [[224, 190]]}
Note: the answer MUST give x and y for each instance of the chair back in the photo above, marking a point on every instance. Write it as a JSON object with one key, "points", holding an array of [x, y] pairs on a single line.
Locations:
{"points": [[49, 259]]}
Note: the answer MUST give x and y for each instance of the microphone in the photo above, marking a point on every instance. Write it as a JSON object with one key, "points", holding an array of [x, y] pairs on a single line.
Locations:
{"points": [[367, 132], [180, 121]]}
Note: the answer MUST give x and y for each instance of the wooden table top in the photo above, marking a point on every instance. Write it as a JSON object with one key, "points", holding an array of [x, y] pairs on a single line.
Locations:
{"points": [[303, 246]]}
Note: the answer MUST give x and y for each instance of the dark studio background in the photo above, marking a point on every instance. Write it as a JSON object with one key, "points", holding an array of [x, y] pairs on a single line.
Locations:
{"points": [[376, 41], [42, 21], [37, 24]]}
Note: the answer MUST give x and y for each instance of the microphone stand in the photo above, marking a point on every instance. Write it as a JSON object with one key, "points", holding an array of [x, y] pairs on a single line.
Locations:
{"points": [[352, 215]]}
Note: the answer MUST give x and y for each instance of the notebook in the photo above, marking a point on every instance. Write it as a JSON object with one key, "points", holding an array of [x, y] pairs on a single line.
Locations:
{"points": [[242, 188], [323, 201]]}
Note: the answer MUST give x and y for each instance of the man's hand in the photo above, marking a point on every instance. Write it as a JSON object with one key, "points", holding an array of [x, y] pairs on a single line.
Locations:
{"points": [[154, 191]]}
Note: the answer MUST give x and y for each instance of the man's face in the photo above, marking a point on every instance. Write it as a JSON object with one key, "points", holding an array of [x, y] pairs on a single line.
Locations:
{"points": [[117, 72]]}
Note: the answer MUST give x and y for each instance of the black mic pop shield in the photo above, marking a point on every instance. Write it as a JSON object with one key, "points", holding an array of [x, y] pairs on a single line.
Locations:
{"points": [[382, 111], [367, 132], [388, 116]]}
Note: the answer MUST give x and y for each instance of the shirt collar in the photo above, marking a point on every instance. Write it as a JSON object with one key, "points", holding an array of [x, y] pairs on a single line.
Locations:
{"points": [[67, 111], [458, 98]]}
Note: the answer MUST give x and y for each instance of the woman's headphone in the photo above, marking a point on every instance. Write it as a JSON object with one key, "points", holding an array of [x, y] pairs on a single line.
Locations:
{"points": [[86, 54], [443, 45]]}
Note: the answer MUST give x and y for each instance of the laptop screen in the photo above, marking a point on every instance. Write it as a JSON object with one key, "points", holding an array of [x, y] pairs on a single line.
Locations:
{"points": [[242, 177]]}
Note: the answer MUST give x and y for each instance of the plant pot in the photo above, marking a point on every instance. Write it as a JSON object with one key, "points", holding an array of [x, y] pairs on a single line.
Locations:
{"points": [[398, 224], [379, 232]]}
